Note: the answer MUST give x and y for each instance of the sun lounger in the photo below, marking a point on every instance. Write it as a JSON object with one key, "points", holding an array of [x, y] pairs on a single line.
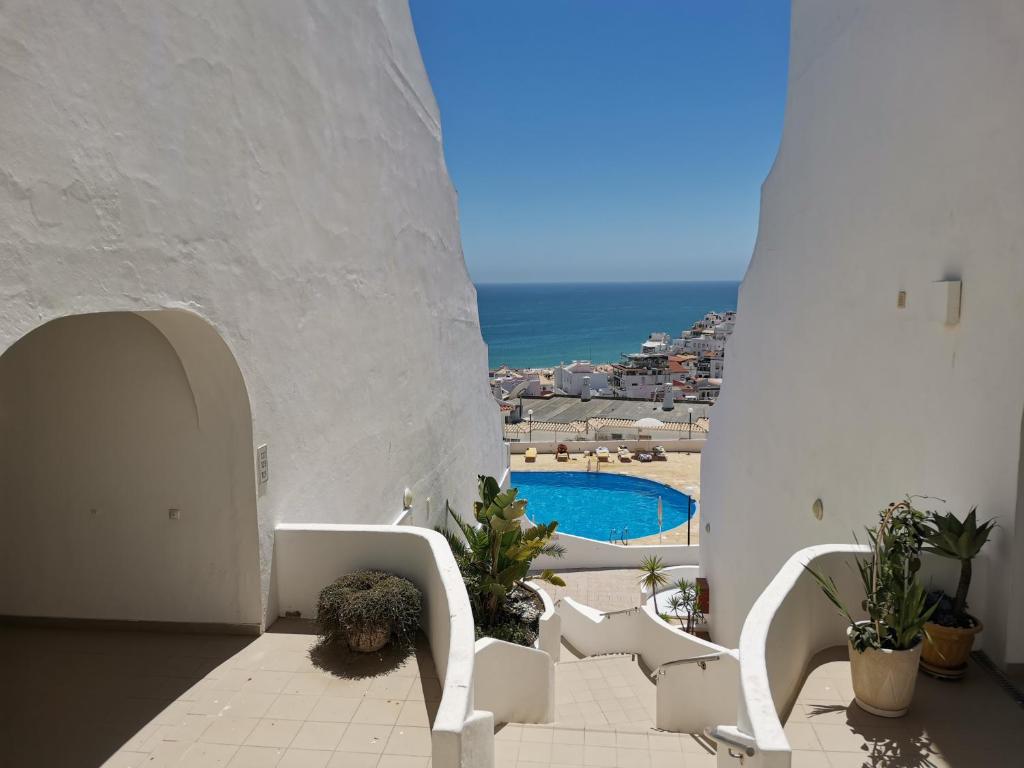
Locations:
{"points": [[602, 453], [531, 454], [645, 457], [660, 454], [562, 452], [625, 455]]}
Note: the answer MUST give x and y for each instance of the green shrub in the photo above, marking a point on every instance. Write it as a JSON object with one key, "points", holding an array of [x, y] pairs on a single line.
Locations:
{"points": [[495, 554], [367, 598]]}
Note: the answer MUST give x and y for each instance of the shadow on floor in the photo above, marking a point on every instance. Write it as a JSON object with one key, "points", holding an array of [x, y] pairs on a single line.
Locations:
{"points": [[73, 697]]}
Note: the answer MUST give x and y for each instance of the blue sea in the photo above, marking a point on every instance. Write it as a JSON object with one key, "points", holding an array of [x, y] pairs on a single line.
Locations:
{"points": [[541, 324]]}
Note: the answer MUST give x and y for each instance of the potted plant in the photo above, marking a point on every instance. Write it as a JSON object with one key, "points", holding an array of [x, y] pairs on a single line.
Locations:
{"points": [[369, 608], [653, 576], [951, 631], [886, 647], [495, 556]]}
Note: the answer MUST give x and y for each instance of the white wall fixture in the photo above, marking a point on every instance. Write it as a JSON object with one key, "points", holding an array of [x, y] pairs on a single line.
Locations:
{"points": [[407, 499], [818, 509], [944, 301], [262, 465]]}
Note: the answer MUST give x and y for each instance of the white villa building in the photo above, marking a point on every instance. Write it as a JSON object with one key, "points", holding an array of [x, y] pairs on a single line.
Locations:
{"points": [[227, 235], [578, 376]]}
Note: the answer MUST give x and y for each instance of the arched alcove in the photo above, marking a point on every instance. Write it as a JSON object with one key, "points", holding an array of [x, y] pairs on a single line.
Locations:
{"points": [[127, 486]]}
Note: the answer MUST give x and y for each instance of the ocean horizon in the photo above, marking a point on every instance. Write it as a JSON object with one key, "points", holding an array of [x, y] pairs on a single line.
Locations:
{"points": [[533, 325]]}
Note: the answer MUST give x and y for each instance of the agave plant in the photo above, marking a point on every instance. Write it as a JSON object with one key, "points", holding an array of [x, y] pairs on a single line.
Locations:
{"points": [[894, 599], [949, 537], [498, 550], [653, 576]]}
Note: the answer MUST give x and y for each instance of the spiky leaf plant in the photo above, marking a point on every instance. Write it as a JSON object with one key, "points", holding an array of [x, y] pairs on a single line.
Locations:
{"points": [[958, 540]]}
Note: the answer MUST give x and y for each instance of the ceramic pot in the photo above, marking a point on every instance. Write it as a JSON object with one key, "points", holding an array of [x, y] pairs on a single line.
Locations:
{"points": [[884, 680], [946, 649], [368, 638]]}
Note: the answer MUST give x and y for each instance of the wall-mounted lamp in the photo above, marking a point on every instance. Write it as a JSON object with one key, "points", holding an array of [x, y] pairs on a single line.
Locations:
{"points": [[818, 509], [407, 499]]}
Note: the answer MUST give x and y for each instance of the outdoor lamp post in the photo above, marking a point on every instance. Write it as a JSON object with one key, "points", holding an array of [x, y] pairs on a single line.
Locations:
{"points": [[530, 414], [690, 434]]}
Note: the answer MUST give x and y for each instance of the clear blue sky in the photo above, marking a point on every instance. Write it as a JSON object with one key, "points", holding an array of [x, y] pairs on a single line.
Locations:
{"points": [[602, 140]]}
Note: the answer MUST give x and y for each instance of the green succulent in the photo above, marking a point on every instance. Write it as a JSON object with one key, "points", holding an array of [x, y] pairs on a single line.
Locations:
{"points": [[958, 540]]}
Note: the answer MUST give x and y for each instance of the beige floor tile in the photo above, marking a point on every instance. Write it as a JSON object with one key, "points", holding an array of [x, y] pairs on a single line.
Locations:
{"points": [[319, 736], [249, 704], [207, 756], [305, 758], [362, 737], [353, 760], [809, 759], [861, 760], [352, 689], [414, 713], [632, 758], [534, 752], [293, 707], [802, 736], [599, 757], [256, 757], [229, 730], [377, 711], [267, 681], [534, 733], [307, 682], [506, 753], [566, 754], [509, 732], [403, 761], [273, 733], [390, 687], [599, 738], [567, 736]]}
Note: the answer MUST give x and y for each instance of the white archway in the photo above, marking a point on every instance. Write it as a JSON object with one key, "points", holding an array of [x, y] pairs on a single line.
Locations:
{"points": [[127, 487]]}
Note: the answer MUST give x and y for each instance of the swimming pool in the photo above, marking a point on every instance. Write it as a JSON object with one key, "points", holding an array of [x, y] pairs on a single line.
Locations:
{"points": [[599, 506]]}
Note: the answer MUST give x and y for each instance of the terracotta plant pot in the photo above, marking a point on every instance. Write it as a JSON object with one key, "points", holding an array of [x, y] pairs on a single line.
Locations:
{"points": [[368, 638], [946, 649], [884, 680]]}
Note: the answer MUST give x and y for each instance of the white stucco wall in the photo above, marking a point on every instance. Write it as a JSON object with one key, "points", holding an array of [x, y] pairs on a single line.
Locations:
{"points": [[107, 424], [900, 164], [276, 169]]}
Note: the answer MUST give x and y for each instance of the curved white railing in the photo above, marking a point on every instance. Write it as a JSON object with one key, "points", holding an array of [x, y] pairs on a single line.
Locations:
{"points": [[517, 683], [308, 556], [788, 624], [590, 553], [690, 697]]}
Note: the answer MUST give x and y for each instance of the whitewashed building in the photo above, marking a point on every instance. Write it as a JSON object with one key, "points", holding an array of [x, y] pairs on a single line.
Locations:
{"points": [[570, 378]]}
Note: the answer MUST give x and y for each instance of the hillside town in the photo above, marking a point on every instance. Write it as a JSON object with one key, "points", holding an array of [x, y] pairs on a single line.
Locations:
{"points": [[633, 398], [665, 369]]}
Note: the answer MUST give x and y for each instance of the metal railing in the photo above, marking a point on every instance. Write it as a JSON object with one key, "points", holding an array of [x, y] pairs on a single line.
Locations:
{"points": [[732, 737], [634, 609], [700, 661]]}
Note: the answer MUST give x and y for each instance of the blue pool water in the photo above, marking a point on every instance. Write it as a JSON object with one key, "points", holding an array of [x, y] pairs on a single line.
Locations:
{"points": [[594, 505]]}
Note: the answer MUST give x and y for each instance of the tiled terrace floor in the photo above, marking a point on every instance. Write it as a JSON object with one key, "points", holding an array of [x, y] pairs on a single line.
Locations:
{"points": [[967, 724], [606, 589], [604, 717], [83, 698]]}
